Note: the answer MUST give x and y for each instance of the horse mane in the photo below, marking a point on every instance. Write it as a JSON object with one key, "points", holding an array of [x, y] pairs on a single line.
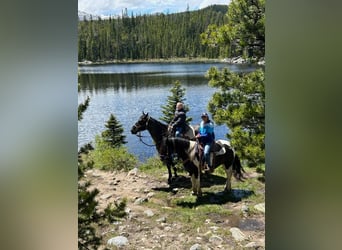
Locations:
{"points": [[155, 120]]}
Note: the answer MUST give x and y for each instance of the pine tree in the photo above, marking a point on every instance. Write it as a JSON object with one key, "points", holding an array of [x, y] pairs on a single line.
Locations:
{"points": [[87, 237], [88, 217], [114, 133], [240, 104], [245, 31], [177, 95]]}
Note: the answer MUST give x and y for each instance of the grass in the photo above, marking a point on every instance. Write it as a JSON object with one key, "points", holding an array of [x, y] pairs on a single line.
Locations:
{"points": [[191, 209], [212, 214]]}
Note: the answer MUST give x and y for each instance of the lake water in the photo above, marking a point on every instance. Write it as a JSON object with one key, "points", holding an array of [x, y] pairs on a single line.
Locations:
{"points": [[128, 89]]}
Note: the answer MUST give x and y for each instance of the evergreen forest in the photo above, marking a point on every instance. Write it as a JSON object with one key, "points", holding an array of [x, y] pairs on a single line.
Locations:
{"points": [[154, 36]]}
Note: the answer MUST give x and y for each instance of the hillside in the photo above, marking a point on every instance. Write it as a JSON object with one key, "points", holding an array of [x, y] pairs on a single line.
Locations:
{"points": [[144, 37]]}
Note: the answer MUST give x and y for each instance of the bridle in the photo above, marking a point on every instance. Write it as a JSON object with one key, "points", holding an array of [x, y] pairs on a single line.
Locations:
{"points": [[141, 136]]}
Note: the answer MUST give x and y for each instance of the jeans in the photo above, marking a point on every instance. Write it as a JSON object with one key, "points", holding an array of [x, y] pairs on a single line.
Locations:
{"points": [[206, 153], [178, 132]]}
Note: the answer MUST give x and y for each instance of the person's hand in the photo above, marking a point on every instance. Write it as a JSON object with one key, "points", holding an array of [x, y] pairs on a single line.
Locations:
{"points": [[198, 136]]}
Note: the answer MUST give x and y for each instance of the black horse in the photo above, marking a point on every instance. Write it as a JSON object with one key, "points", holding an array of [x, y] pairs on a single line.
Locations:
{"points": [[188, 152], [157, 131]]}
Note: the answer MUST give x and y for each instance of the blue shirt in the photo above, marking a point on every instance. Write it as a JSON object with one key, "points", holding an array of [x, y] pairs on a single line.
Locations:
{"points": [[206, 131]]}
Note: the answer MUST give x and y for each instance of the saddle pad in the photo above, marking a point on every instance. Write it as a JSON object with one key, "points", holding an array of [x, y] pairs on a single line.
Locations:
{"points": [[219, 148]]}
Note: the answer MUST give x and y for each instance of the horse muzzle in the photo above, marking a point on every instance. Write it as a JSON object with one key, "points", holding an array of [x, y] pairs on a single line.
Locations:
{"points": [[134, 130]]}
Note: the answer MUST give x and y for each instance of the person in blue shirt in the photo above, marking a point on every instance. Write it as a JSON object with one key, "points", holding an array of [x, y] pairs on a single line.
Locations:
{"points": [[206, 136]]}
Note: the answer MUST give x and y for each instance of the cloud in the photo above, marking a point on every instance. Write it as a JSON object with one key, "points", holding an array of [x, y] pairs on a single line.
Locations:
{"points": [[115, 7]]}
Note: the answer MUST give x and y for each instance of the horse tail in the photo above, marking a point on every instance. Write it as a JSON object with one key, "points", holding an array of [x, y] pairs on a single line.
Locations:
{"points": [[238, 169]]}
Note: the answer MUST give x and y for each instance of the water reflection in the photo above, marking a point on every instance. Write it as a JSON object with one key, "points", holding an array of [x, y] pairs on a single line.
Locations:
{"points": [[135, 81], [126, 95]]}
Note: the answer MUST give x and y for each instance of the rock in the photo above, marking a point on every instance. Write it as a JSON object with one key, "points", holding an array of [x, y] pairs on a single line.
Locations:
{"points": [[215, 239], [161, 219], [196, 247], [214, 228], [237, 234], [105, 196], [251, 245], [118, 241], [149, 213], [96, 174], [149, 195], [133, 172], [260, 207], [139, 201], [244, 208]]}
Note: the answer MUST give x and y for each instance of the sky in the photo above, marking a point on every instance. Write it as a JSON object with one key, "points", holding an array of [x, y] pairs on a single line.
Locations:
{"points": [[115, 7]]}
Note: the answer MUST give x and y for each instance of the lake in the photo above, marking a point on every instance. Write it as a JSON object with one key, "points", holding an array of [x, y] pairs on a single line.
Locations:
{"points": [[126, 90]]}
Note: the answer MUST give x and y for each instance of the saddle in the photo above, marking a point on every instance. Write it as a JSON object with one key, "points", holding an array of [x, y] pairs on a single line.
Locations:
{"points": [[183, 134]]}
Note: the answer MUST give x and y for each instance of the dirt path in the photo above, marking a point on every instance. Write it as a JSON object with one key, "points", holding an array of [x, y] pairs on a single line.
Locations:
{"points": [[163, 217]]}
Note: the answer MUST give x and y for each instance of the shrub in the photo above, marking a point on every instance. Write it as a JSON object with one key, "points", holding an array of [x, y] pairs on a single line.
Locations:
{"points": [[106, 157]]}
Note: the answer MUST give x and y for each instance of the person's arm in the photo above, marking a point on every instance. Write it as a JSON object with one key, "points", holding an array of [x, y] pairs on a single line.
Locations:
{"points": [[179, 120]]}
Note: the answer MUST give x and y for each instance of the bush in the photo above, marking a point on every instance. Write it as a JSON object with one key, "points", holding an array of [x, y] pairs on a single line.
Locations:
{"points": [[152, 163], [106, 157]]}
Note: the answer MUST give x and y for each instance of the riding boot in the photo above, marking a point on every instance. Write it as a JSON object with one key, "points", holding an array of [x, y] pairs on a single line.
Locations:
{"points": [[211, 169], [208, 169]]}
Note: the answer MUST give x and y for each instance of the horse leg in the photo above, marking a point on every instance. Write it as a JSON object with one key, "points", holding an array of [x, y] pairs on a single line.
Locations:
{"points": [[195, 181], [169, 180], [193, 184], [229, 172], [198, 183]]}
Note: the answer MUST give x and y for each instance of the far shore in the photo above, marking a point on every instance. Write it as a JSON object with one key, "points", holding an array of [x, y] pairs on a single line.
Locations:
{"points": [[236, 60]]}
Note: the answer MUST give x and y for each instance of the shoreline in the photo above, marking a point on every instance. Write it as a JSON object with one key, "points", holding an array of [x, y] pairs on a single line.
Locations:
{"points": [[235, 60]]}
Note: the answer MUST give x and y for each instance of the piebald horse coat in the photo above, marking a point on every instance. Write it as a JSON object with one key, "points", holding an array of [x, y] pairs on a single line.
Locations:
{"points": [[187, 151]]}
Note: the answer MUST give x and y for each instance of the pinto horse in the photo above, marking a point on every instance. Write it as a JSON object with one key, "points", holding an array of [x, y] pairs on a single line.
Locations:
{"points": [[188, 152], [157, 131]]}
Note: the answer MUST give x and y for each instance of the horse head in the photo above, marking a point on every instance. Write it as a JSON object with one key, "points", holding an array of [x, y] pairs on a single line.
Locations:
{"points": [[141, 124]]}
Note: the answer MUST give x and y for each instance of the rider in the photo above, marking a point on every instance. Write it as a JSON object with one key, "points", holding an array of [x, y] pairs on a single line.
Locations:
{"points": [[177, 125], [206, 136]]}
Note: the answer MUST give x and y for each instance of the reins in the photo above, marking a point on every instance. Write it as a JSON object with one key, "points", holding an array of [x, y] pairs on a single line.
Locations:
{"points": [[140, 136]]}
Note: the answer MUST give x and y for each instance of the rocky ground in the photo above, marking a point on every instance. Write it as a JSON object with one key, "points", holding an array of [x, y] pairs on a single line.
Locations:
{"points": [[168, 217]]}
